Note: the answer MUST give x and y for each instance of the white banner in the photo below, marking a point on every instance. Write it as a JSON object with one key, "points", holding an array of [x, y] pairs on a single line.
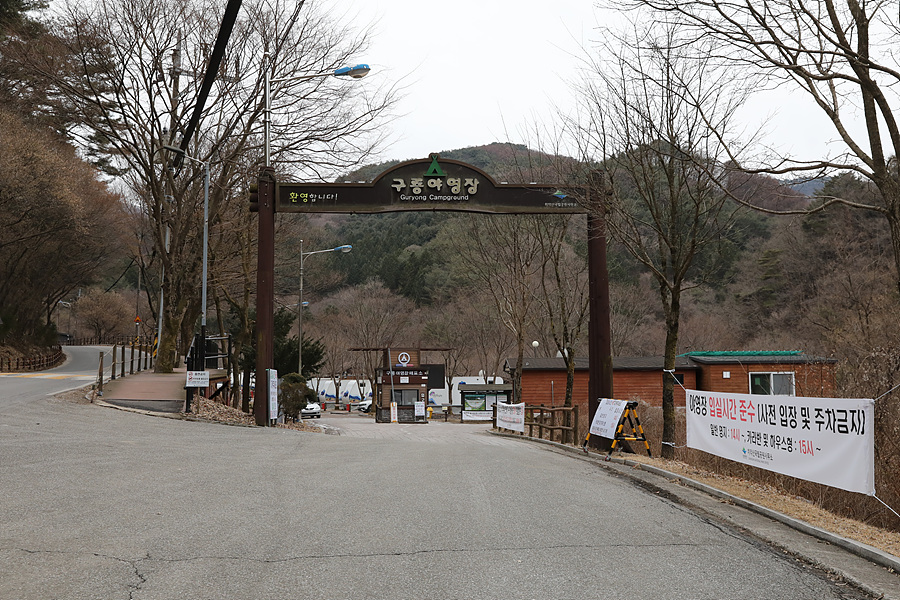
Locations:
{"points": [[511, 416], [420, 409], [825, 440], [606, 419], [477, 415]]}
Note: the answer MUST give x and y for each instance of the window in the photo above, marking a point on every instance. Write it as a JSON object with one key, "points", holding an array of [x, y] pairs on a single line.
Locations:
{"points": [[772, 384], [405, 397], [679, 378]]}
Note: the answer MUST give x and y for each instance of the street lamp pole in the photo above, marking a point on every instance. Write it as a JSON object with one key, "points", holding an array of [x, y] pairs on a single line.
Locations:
{"points": [[265, 270], [355, 72], [343, 249]]}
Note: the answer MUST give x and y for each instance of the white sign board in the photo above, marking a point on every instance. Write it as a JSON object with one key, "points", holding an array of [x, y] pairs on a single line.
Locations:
{"points": [[394, 412], [197, 379], [825, 440], [511, 416], [420, 409], [606, 419], [477, 415], [273, 393]]}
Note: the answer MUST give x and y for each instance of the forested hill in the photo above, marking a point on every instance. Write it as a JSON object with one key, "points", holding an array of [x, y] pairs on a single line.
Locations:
{"points": [[499, 160]]}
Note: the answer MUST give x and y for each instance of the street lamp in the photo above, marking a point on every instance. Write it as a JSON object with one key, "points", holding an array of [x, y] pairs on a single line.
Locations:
{"points": [[355, 72], [343, 249], [535, 345], [202, 350], [265, 261]]}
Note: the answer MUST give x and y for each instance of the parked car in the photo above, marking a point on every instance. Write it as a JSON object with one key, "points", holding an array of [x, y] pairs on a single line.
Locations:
{"points": [[312, 410], [365, 406]]}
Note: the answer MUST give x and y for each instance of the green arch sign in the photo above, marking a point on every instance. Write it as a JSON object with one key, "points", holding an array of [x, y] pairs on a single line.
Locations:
{"points": [[428, 184]]}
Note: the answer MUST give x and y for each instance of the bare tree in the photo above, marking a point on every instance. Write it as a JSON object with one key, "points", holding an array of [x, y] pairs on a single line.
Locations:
{"points": [[105, 313], [367, 316], [130, 69], [663, 158], [503, 259], [564, 287], [842, 55]]}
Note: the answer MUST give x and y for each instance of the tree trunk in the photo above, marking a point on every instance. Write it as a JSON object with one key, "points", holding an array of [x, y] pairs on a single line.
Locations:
{"points": [[668, 395]]}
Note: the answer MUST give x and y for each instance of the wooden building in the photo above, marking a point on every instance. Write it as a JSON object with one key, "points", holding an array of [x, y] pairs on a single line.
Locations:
{"points": [[641, 378]]}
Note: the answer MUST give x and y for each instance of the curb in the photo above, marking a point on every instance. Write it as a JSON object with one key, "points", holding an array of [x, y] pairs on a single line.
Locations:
{"points": [[865, 551]]}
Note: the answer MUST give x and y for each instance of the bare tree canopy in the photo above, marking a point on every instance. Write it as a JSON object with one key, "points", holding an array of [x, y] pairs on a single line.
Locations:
{"points": [[127, 73], [842, 55]]}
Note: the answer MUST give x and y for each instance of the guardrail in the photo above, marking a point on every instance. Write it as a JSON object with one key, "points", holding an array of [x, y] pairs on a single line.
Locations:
{"points": [[37, 362]]}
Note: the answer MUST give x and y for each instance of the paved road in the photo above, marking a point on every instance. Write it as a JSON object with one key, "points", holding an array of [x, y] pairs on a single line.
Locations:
{"points": [[100, 503]]}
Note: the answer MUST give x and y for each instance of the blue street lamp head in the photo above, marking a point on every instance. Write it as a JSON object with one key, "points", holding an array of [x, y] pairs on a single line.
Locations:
{"points": [[346, 248], [356, 72]]}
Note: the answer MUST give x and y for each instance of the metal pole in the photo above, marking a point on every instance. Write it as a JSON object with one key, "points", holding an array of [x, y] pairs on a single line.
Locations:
{"points": [[300, 318], [267, 111], [202, 350], [162, 289]]}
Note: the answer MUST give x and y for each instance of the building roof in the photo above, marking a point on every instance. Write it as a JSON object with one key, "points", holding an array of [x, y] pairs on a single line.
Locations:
{"points": [[620, 363], [792, 357], [684, 362]]}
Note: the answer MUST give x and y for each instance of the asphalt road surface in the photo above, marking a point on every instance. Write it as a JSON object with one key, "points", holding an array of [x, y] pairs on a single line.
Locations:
{"points": [[100, 503]]}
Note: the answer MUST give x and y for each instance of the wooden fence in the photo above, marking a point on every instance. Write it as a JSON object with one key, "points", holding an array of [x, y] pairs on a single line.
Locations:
{"points": [[38, 362], [559, 423]]}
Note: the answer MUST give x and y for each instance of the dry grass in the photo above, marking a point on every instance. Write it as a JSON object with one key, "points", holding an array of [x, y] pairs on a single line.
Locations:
{"points": [[775, 499]]}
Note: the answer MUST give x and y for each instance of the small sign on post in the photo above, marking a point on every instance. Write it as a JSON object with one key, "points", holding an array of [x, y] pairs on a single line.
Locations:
{"points": [[197, 379], [273, 394]]}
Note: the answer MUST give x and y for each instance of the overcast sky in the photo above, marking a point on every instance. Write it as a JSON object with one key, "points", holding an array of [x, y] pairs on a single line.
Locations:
{"points": [[475, 71], [482, 71]]}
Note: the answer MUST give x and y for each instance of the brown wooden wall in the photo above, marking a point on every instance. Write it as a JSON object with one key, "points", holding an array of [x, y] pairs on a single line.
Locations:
{"points": [[815, 380], [627, 385]]}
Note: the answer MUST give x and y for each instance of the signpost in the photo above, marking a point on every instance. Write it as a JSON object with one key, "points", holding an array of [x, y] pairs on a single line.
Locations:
{"points": [[197, 379]]}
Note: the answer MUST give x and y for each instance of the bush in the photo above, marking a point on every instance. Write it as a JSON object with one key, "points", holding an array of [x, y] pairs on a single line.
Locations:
{"points": [[295, 395]]}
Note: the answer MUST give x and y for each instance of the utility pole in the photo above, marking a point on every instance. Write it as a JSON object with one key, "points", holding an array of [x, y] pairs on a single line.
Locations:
{"points": [[265, 295], [600, 382]]}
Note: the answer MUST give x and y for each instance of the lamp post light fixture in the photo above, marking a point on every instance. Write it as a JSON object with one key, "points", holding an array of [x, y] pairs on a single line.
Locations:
{"points": [[202, 350], [300, 304], [356, 72], [535, 345]]}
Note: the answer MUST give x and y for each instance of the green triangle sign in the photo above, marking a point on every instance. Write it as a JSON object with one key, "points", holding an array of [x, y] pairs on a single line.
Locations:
{"points": [[435, 169]]}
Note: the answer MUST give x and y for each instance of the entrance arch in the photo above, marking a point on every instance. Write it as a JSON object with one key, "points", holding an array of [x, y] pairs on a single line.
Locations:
{"points": [[432, 184]]}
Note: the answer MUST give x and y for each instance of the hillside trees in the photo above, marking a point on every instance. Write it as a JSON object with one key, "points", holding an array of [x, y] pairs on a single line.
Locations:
{"points": [[663, 157], [840, 55], [58, 226], [129, 72]]}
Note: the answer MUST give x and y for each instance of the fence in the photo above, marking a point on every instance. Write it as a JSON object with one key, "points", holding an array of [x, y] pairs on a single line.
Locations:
{"points": [[37, 362], [553, 421], [140, 350], [105, 340]]}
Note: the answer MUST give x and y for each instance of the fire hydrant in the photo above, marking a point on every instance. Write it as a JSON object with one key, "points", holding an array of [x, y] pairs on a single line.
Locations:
{"points": [[430, 410]]}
